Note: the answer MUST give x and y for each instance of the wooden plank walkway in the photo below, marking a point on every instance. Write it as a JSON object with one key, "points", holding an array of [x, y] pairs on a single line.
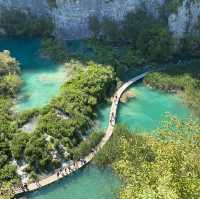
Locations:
{"points": [[74, 166]]}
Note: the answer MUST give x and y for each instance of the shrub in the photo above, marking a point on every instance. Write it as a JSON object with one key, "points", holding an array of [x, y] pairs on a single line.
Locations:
{"points": [[86, 146], [56, 164]]}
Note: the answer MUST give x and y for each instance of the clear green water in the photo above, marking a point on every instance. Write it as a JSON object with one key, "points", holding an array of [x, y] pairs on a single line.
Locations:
{"points": [[41, 77], [89, 183], [146, 110], [143, 112], [42, 80]]}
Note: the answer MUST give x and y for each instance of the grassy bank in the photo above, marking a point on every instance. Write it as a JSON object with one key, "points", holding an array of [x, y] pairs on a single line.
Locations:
{"points": [[184, 77]]}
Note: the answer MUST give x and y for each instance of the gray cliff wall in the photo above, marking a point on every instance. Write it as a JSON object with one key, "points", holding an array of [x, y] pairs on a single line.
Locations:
{"points": [[71, 16], [185, 19]]}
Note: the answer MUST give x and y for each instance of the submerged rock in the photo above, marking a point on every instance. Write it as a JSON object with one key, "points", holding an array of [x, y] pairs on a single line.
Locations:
{"points": [[126, 96]]}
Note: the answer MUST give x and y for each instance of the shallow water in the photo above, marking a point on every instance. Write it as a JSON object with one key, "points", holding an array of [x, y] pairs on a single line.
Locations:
{"points": [[42, 80], [145, 111], [88, 183], [41, 77]]}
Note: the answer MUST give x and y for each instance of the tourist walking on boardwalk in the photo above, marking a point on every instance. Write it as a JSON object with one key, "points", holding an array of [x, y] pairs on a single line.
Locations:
{"points": [[37, 183], [25, 186], [115, 100], [58, 174], [22, 187]]}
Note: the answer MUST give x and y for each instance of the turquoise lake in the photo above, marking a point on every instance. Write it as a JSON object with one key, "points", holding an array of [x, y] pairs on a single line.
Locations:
{"points": [[88, 183], [41, 77], [41, 81]]}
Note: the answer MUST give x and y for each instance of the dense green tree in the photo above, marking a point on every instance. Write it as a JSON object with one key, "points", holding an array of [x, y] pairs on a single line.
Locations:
{"points": [[138, 39], [110, 30], [155, 43], [164, 166], [9, 71], [18, 144], [55, 50], [134, 24], [86, 146], [17, 23], [37, 154], [8, 172], [6, 190]]}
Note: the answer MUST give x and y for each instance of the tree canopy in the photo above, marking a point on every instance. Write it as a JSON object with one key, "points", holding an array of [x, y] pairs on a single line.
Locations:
{"points": [[165, 166]]}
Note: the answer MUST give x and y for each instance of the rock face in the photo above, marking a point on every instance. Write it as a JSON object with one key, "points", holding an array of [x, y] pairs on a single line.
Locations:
{"points": [[71, 16], [185, 19]]}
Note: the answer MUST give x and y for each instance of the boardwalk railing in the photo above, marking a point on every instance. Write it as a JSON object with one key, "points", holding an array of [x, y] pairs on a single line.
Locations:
{"points": [[74, 166]]}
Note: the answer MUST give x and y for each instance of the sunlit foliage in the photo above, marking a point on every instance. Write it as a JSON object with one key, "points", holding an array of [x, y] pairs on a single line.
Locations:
{"points": [[165, 166]]}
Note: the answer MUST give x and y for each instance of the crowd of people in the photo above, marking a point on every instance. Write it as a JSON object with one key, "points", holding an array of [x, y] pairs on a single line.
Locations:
{"points": [[22, 186], [60, 173], [73, 167]]}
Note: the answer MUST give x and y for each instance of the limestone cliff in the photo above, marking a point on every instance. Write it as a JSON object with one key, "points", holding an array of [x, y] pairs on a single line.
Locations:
{"points": [[71, 16]]}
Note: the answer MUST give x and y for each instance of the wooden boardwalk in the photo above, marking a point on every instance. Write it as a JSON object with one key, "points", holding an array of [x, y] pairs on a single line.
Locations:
{"points": [[74, 166]]}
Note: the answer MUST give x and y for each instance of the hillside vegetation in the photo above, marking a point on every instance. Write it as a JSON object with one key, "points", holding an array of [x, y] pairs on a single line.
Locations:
{"points": [[9, 85], [165, 166], [61, 127]]}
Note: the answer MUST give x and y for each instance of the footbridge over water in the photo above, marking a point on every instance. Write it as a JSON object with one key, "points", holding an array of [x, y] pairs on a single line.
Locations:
{"points": [[74, 166]]}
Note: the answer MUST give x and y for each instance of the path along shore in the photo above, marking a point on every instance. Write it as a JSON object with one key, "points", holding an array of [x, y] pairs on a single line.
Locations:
{"points": [[76, 165]]}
